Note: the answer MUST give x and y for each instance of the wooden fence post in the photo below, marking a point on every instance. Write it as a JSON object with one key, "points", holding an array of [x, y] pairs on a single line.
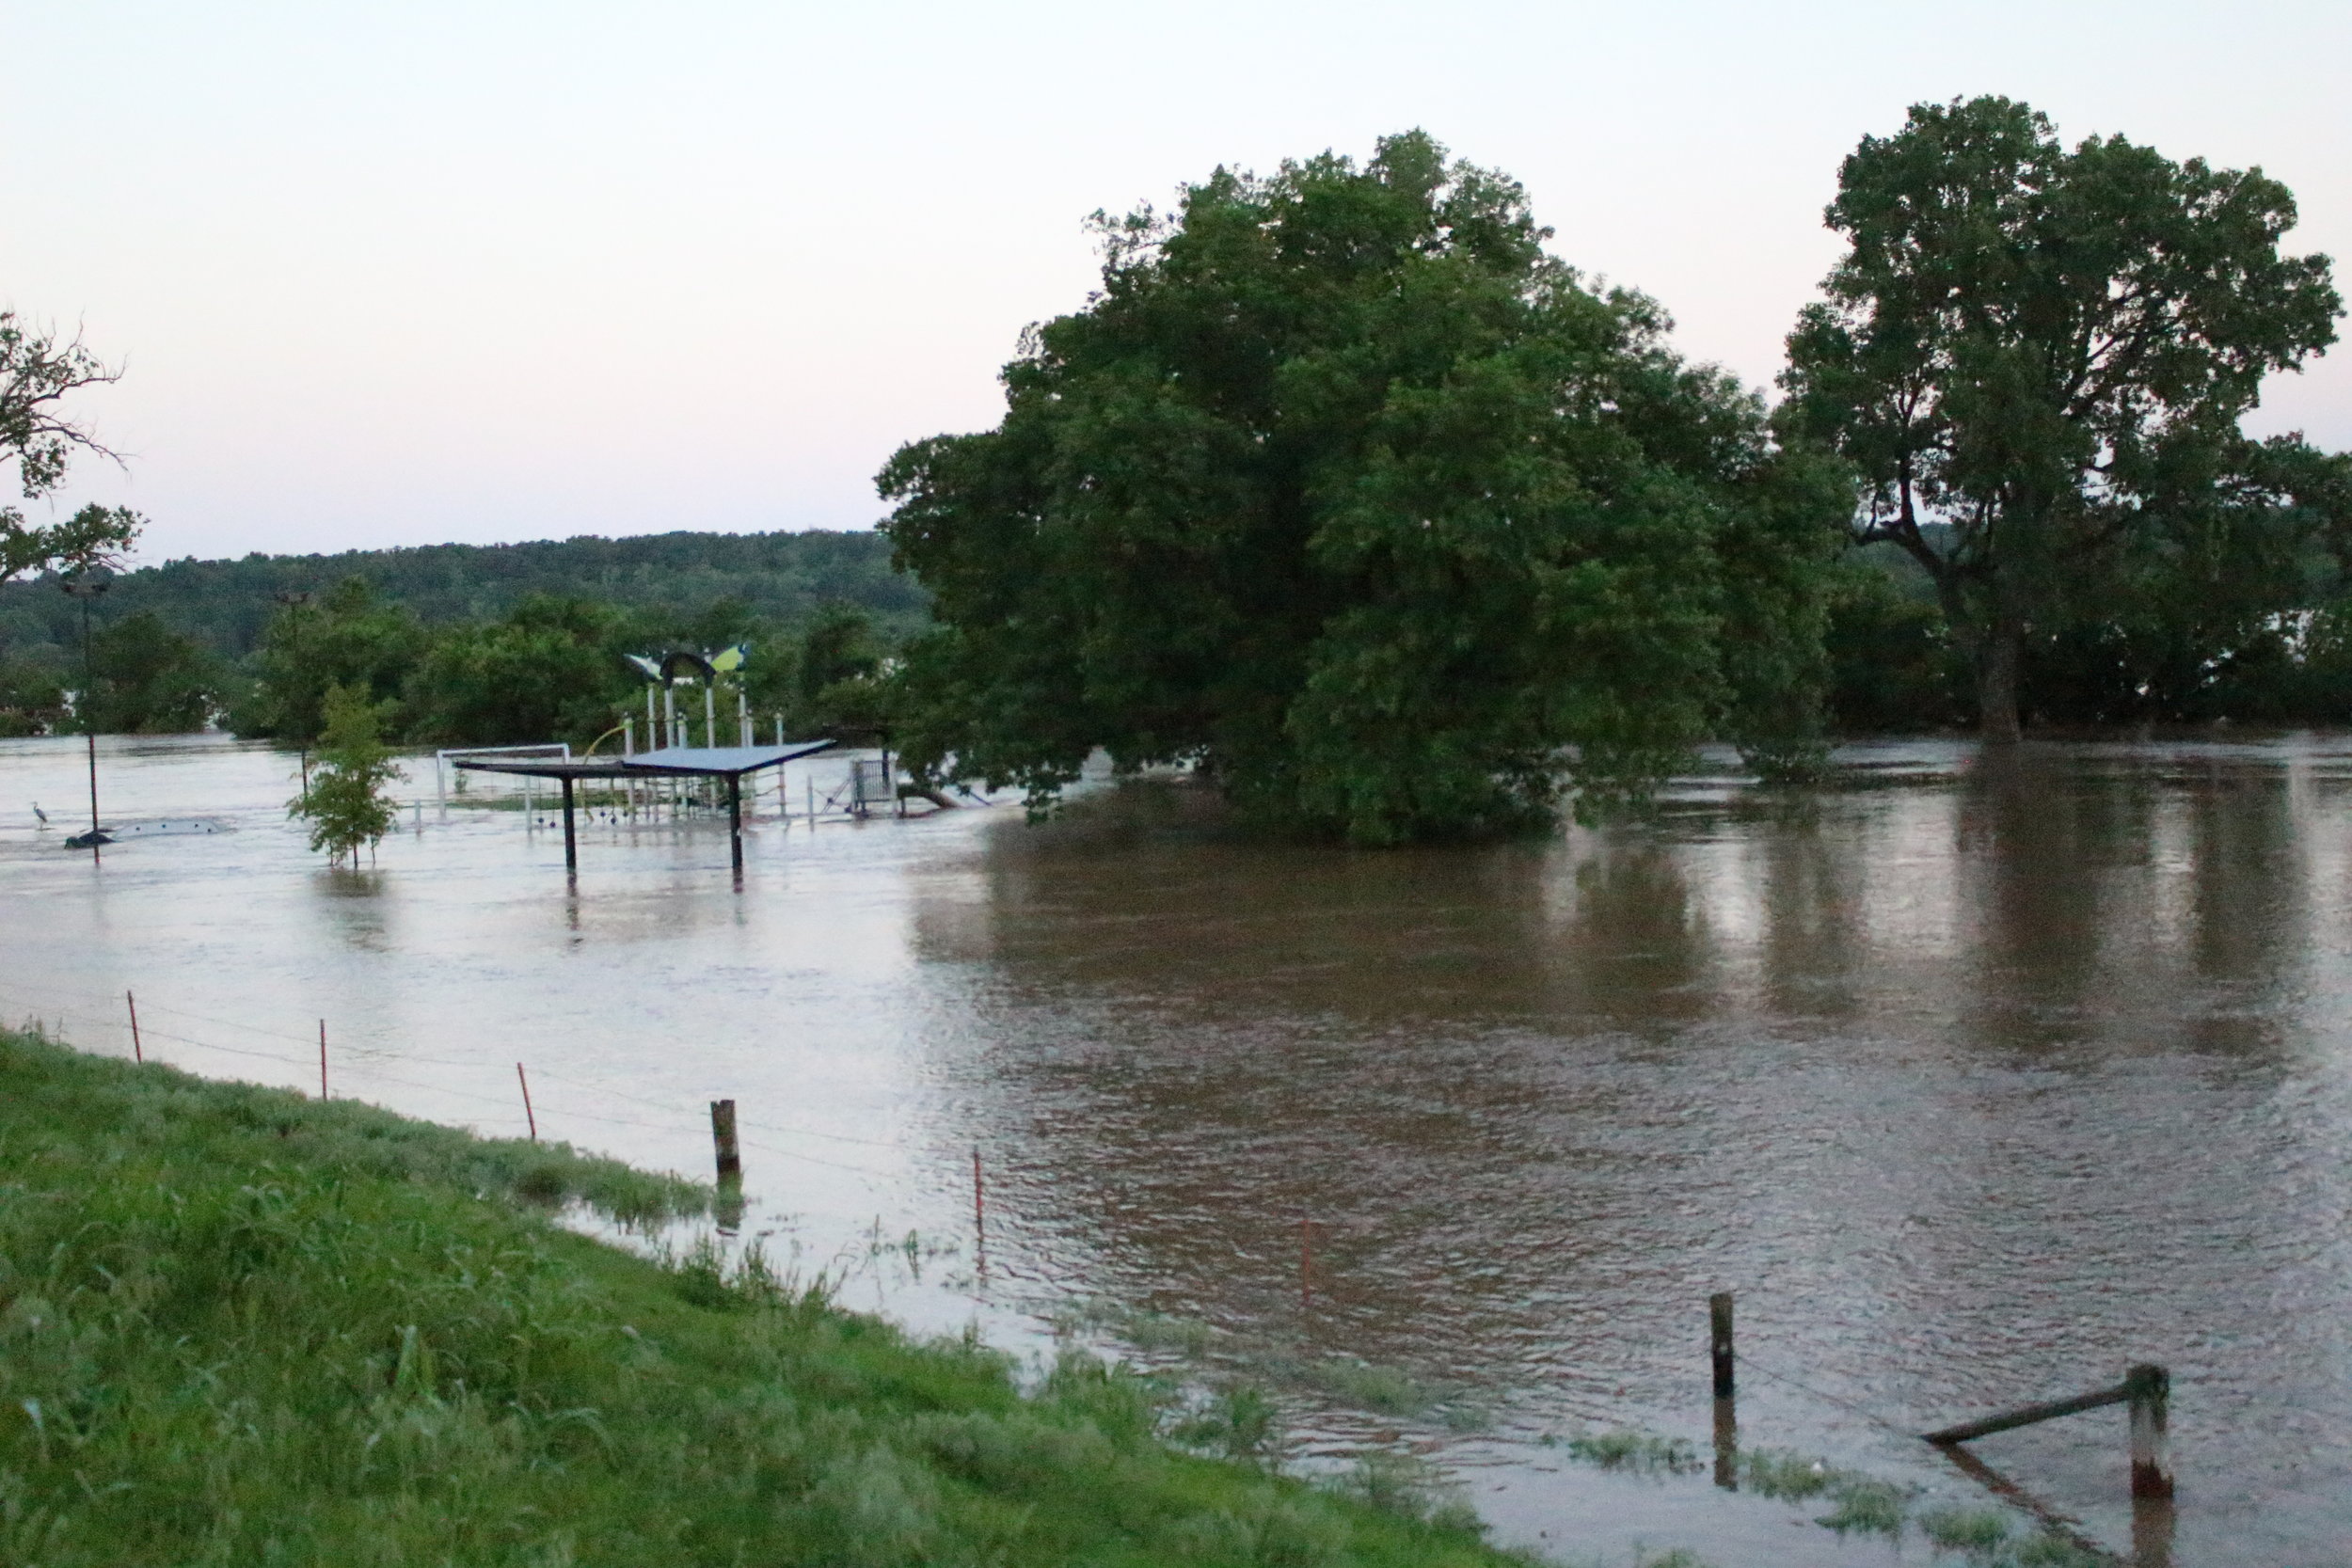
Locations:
{"points": [[722, 1139], [1719, 1341], [2147, 1388], [137, 1054], [2151, 1453], [1306, 1263], [529, 1116], [1727, 1444]]}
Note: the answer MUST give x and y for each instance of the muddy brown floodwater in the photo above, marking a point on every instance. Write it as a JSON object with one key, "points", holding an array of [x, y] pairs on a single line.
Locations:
{"points": [[1976, 1081]]}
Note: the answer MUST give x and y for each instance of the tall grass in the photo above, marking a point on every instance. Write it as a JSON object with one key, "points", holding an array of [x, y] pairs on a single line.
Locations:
{"points": [[237, 1327]]}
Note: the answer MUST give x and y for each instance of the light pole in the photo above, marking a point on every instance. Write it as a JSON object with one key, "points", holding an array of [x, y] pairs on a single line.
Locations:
{"points": [[86, 586], [292, 602]]}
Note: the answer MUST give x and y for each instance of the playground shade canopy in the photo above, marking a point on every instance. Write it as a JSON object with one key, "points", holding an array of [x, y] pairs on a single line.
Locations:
{"points": [[718, 762], [706, 762], [722, 761]]}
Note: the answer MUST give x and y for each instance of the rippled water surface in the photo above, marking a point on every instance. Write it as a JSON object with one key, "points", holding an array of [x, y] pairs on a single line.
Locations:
{"points": [[1977, 1083]]}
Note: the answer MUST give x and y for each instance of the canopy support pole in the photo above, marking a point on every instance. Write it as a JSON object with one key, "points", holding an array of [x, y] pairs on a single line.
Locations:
{"points": [[734, 820], [571, 845]]}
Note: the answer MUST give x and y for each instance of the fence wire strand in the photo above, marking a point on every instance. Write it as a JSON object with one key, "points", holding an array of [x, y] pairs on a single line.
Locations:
{"points": [[367, 1065]]}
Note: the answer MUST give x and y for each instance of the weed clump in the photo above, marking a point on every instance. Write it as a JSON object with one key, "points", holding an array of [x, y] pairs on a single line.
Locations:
{"points": [[1369, 1387], [1347, 1379], [1859, 1502], [1988, 1539], [1783, 1476], [1639, 1451], [1966, 1529], [1155, 1331], [1875, 1507], [1282, 1533], [2050, 1551], [1239, 1423], [1405, 1483]]}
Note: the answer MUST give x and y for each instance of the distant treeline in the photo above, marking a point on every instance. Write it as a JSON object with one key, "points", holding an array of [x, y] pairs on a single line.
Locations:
{"points": [[457, 643], [227, 605]]}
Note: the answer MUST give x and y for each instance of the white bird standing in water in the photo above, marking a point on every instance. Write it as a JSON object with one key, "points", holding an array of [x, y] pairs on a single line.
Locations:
{"points": [[42, 815]]}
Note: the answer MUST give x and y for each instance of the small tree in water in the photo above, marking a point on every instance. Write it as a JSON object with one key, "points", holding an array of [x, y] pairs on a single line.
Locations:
{"points": [[347, 803]]}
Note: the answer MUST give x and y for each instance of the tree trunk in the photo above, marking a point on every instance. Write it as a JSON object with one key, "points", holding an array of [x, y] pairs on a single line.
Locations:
{"points": [[1992, 632], [1996, 682]]}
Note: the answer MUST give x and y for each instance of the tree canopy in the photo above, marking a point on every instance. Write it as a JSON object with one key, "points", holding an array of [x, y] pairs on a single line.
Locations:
{"points": [[2037, 358], [345, 639], [151, 679], [1344, 490]]}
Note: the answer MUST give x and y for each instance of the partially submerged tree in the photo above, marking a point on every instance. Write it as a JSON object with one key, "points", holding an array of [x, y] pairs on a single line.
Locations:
{"points": [[551, 670], [1344, 490], [347, 803], [38, 373], [2037, 358], [151, 680], [2207, 609], [32, 695], [345, 637], [837, 687]]}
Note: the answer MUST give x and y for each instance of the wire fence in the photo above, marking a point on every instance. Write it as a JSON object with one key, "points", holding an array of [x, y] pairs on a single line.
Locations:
{"points": [[92, 1020]]}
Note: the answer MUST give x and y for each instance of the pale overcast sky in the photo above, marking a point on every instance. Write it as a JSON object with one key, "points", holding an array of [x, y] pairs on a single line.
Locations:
{"points": [[402, 274]]}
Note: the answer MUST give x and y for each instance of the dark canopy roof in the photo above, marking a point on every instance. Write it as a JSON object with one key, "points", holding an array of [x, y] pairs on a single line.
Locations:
{"points": [[719, 762]]}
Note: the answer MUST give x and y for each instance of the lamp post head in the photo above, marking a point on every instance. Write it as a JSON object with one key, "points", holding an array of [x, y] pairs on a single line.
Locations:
{"points": [[87, 582]]}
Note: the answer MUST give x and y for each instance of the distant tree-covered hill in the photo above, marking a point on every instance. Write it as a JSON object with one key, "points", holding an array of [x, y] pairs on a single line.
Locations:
{"points": [[227, 605]]}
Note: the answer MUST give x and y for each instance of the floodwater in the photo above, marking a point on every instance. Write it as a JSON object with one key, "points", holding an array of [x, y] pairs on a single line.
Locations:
{"points": [[1976, 1082]]}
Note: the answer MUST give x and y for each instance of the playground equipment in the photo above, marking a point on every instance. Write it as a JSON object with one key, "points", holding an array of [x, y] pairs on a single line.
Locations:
{"points": [[443, 759]]}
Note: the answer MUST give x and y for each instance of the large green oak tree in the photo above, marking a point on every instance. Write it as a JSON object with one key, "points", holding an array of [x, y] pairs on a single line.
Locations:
{"points": [[1346, 491], [2037, 358]]}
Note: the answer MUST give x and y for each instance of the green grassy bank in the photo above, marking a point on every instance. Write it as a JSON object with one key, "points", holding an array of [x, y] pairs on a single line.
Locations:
{"points": [[240, 1328]]}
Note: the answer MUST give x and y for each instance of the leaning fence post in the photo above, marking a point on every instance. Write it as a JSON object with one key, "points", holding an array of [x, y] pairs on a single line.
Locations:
{"points": [[1727, 1444], [979, 1217], [722, 1139], [1305, 1263], [2151, 1389], [137, 1054], [1719, 1341]]}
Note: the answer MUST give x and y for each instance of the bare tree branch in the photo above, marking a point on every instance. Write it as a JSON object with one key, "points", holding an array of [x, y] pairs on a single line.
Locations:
{"points": [[36, 373]]}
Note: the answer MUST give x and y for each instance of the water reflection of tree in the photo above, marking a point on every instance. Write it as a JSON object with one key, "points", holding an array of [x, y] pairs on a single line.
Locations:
{"points": [[2109, 900], [1222, 926], [2251, 895], [1814, 868]]}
